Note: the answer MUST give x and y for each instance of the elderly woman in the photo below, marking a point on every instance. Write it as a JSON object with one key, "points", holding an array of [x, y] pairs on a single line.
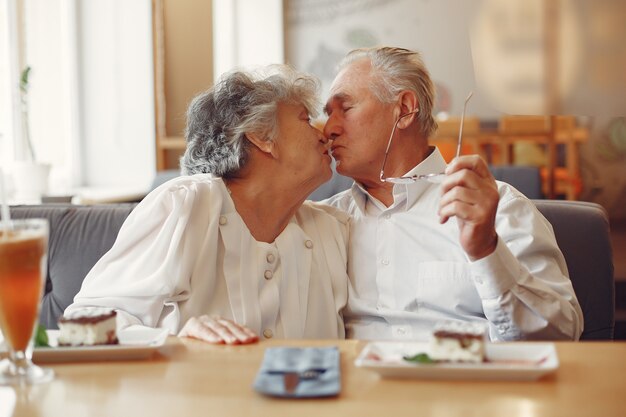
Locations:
{"points": [[229, 251]]}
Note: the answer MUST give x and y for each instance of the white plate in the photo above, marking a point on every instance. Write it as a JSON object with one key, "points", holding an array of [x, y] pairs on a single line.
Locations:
{"points": [[135, 343], [507, 362]]}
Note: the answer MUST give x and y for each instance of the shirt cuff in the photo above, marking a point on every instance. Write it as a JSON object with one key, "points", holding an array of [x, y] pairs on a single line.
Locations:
{"points": [[495, 274]]}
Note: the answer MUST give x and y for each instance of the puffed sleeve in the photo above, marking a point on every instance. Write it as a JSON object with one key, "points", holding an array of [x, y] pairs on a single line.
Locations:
{"points": [[146, 274]]}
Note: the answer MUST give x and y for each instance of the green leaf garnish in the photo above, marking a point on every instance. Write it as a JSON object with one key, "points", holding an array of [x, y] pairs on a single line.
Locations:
{"points": [[419, 358], [41, 337]]}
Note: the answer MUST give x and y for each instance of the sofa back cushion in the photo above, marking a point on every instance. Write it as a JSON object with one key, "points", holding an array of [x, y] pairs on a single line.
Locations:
{"points": [[582, 232], [79, 236]]}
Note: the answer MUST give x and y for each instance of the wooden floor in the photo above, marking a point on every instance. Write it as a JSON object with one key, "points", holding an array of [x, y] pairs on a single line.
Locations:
{"points": [[618, 238]]}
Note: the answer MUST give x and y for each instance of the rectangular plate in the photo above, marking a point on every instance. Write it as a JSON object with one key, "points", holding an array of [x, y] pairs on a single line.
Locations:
{"points": [[507, 362], [135, 343]]}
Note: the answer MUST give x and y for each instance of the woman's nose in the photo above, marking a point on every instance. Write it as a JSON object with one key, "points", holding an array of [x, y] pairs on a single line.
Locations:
{"points": [[322, 137]]}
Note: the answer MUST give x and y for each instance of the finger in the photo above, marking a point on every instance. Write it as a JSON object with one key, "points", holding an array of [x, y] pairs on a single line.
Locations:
{"points": [[187, 328], [195, 328], [474, 206], [464, 178], [460, 193], [223, 331], [471, 162], [242, 333], [459, 209]]}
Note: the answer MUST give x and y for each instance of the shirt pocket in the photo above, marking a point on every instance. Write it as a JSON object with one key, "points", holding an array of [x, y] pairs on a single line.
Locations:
{"points": [[447, 287]]}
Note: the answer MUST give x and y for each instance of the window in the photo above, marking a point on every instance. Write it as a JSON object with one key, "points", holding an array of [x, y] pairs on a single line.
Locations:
{"points": [[39, 34], [6, 81], [90, 100]]}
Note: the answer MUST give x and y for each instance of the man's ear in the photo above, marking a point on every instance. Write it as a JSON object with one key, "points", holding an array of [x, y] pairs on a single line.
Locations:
{"points": [[407, 102], [262, 144]]}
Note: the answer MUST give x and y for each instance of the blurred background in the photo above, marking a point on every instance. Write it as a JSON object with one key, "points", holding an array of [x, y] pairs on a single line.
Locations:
{"points": [[110, 80], [93, 93]]}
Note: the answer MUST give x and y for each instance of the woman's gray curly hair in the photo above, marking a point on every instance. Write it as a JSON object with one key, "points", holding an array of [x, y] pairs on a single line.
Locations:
{"points": [[395, 70], [241, 102]]}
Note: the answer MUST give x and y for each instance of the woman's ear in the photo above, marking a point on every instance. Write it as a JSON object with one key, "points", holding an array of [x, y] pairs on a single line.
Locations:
{"points": [[407, 102], [262, 144]]}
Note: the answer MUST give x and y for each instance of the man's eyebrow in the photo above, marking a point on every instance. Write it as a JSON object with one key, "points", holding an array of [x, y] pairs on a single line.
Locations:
{"points": [[335, 97]]}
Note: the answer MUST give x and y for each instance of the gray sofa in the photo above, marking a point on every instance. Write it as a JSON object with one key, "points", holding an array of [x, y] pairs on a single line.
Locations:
{"points": [[80, 235]]}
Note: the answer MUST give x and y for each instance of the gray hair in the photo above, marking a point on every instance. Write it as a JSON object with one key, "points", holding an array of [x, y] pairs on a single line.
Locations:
{"points": [[395, 70], [241, 102]]}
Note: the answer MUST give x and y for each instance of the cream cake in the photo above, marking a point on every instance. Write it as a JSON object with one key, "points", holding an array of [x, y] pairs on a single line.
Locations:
{"points": [[88, 327], [458, 342]]}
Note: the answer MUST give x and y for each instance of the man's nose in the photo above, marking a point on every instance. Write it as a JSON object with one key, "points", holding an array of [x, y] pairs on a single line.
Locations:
{"points": [[332, 129]]}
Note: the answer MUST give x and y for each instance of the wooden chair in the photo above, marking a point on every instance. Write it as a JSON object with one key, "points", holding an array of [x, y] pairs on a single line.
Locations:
{"points": [[447, 135], [548, 132]]}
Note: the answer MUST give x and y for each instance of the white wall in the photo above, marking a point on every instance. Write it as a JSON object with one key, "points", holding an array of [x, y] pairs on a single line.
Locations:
{"points": [[117, 99]]}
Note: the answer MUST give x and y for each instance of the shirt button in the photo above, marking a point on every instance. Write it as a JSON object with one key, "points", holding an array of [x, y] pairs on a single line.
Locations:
{"points": [[270, 257], [268, 274], [387, 216], [268, 333], [503, 328], [223, 220], [308, 244], [479, 280], [401, 331], [385, 262]]}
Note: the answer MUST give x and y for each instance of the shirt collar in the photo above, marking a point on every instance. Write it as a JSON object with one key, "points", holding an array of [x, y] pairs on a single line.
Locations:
{"points": [[433, 163]]}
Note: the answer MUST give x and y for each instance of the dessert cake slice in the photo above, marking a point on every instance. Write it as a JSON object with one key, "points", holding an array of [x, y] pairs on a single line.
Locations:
{"points": [[88, 327], [458, 342]]}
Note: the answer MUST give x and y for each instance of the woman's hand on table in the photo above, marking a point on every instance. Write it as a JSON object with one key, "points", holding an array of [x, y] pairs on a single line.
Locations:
{"points": [[218, 330]]}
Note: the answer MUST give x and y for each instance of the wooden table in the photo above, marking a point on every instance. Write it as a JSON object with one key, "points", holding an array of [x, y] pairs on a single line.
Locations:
{"points": [[191, 378]]}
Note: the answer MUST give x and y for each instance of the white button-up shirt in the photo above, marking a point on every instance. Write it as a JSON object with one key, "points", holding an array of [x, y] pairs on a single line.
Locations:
{"points": [[184, 251], [407, 271]]}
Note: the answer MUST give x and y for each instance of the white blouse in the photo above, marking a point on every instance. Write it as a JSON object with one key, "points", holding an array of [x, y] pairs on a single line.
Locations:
{"points": [[184, 251]]}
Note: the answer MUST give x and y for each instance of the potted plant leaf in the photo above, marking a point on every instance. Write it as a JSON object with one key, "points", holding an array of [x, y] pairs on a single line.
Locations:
{"points": [[30, 176]]}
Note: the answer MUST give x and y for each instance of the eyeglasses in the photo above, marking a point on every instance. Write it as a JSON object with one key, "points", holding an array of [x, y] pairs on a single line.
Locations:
{"points": [[434, 177]]}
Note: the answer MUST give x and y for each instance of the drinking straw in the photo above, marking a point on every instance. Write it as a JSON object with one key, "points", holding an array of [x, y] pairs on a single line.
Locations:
{"points": [[5, 214]]}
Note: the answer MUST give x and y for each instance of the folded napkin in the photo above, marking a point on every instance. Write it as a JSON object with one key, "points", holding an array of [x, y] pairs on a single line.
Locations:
{"points": [[299, 372]]}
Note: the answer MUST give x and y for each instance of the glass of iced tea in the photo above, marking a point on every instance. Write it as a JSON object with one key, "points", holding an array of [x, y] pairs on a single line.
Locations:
{"points": [[23, 262]]}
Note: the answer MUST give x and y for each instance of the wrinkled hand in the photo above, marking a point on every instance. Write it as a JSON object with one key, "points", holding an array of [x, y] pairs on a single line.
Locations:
{"points": [[469, 192], [218, 330]]}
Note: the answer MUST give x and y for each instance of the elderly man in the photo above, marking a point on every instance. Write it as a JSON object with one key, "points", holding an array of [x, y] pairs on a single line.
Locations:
{"points": [[467, 248]]}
